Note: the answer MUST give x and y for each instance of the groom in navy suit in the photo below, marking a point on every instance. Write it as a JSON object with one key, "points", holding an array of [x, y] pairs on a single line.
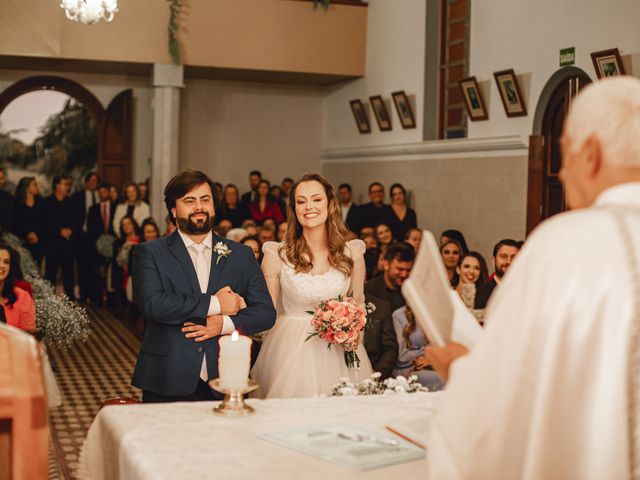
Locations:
{"points": [[192, 287]]}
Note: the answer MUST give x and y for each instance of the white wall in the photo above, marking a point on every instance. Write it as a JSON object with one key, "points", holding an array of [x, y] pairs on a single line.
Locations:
{"points": [[228, 129], [527, 36], [105, 88], [395, 61]]}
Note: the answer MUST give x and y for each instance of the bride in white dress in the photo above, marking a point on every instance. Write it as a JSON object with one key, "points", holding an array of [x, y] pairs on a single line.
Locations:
{"points": [[313, 263]]}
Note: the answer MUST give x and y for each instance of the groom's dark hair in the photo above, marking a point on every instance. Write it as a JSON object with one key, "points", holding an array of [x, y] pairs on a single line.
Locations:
{"points": [[182, 184]]}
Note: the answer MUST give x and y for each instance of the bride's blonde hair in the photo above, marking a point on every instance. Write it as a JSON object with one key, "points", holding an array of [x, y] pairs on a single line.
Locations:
{"points": [[295, 249]]}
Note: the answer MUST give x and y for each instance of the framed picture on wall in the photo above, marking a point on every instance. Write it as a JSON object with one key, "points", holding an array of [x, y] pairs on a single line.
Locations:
{"points": [[360, 116], [510, 93], [607, 63], [381, 113], [473, 99], [404, 109]]}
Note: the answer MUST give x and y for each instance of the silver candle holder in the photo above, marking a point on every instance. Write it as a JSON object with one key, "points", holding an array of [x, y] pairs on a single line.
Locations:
{"points": [[233, 404]]}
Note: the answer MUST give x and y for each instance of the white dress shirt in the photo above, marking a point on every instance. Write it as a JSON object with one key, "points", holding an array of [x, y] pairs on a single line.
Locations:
{"points": [[344, 210]]}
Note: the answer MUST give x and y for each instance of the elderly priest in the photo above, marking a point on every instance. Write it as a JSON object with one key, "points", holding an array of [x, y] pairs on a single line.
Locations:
{"points": [[551, 390]]}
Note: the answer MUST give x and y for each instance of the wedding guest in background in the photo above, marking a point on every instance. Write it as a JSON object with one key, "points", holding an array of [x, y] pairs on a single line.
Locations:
{"points": [[504, 252], [61, 226], [414, 238], [275, 192], [398, 262], [150, 230], [132, 207], [411, 344], [375, 212], [30, 217], [143, 188], [256, 245], [252, 195], [218, 189], [367, 231], [99, 222], [371, 257], [264, 207], [269, 223], [370, 241], [231, 208], [451, 252], [282, 231], [16, 304], [170, 226], [130, 236], [384, 234], [286, 184], [6, 203], [403, 217], [83, 200], [472, 272], [380, 338], [457, 236], [266, 234], [223, 227], [114, 194], [237, 234], [348, 209]]}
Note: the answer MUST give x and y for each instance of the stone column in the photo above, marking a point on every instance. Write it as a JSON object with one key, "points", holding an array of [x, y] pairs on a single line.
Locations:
{"points": [[167, 82]]}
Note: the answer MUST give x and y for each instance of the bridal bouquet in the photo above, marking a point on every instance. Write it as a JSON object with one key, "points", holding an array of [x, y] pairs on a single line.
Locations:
{"points": [[339, 321]]}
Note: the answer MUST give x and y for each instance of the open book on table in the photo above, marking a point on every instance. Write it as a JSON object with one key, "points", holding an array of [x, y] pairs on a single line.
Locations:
{"points": [[437, 307]]}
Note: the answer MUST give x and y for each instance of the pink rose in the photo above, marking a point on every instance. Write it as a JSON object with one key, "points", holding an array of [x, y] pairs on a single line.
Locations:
{"points": [[341, 337]]}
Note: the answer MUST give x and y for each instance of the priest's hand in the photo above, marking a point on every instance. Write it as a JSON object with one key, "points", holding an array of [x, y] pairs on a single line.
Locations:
{"points": [[200, 333], [442, 357]]}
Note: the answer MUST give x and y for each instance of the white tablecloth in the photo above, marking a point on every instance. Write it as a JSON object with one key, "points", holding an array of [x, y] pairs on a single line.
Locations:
{"points": [[187, 441]]}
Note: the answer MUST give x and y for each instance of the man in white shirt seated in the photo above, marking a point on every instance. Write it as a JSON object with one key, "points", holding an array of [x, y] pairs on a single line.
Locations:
{"points": [[551, 389]]}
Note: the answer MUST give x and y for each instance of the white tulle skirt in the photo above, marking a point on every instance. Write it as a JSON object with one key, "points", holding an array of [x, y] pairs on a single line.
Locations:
{"points": [[287, 366], [51, 385]]}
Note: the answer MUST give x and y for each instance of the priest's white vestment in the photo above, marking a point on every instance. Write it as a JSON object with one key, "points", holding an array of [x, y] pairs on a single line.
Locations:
{"points": [[544, 393]]}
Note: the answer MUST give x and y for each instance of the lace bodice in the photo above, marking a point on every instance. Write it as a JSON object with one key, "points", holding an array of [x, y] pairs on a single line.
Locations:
{"points": [[301, 292]]}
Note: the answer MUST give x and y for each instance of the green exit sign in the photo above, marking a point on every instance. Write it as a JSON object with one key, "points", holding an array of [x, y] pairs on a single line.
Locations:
{"points": [[567, 56]]}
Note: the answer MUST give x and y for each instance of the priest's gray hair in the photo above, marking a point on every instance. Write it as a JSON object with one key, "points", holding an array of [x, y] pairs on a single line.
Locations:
{"points": [[609, 111]]}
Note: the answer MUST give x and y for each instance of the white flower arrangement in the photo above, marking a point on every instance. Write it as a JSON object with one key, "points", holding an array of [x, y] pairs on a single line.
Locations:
{"points": [[104, 245], [222, 250], [375, 386], [58, 319]]}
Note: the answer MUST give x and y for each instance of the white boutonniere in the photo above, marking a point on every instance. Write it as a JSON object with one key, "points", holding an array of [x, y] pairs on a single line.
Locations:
{"points": [[222, 250]]}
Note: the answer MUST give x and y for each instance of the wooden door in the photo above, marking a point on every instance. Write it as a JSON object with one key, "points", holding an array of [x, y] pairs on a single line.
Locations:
{"points": [[115, 141], [545, 195]]}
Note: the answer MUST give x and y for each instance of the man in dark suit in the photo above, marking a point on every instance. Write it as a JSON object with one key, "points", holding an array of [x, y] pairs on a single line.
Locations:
{"points": [[398, 261], [82, 201], [252, 195], [380, 339], [6, 204], [348, 209], [62, 227], [191, 287], [375, 212], [503, 254], [99, 222]]}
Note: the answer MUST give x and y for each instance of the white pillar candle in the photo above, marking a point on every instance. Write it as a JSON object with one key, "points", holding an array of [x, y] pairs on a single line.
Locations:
{"points": [[234, 361]]}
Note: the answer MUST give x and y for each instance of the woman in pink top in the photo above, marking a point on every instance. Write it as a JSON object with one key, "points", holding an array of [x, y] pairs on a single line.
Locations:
{"points": [[16, 304]]}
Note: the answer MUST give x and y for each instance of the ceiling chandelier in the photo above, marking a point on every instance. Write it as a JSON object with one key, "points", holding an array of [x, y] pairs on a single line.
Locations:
{"points": [[89, 11]]}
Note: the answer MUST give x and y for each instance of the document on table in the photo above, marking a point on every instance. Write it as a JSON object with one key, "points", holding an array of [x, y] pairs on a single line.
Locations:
{"points": [[347, 446]]}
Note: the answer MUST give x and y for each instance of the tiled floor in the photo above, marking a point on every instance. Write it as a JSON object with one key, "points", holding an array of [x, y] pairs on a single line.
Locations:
{"points": [[87, 375]]}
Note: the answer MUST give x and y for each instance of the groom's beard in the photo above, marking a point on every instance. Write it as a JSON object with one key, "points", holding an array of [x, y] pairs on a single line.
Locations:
{"points": [[195, 227]]}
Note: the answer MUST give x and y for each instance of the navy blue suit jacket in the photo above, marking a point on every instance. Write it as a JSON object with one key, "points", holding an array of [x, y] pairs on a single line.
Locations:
{"points": [[166, 290]]}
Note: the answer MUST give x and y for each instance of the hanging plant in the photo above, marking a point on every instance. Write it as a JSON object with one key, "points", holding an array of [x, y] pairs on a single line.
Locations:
{"points": [[174, 45], [324, 3]]}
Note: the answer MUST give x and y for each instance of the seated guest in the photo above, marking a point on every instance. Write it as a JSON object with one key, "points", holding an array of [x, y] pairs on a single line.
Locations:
{"points": [[264, 207], [384, 235], [375, 212], [380, 338], [170, 225], [16, 304], [457, 236], [223, 227], [270, 223], [133, 207], [256, 245], [370, 241], [237, 234], [504, 253], [411, 344], [282, 230], [252, 195], [450, 252], [231, 208], [397, 265], [266, 234], [348, 209], [29, 217], [371, 257], [472, 272], [217, 189], [286, 185], [275, 192], [403, 217], [414, 238]]}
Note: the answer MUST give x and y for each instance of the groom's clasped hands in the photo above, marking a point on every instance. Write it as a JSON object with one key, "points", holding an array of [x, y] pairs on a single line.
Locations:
{"points": [[230, 304]]}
